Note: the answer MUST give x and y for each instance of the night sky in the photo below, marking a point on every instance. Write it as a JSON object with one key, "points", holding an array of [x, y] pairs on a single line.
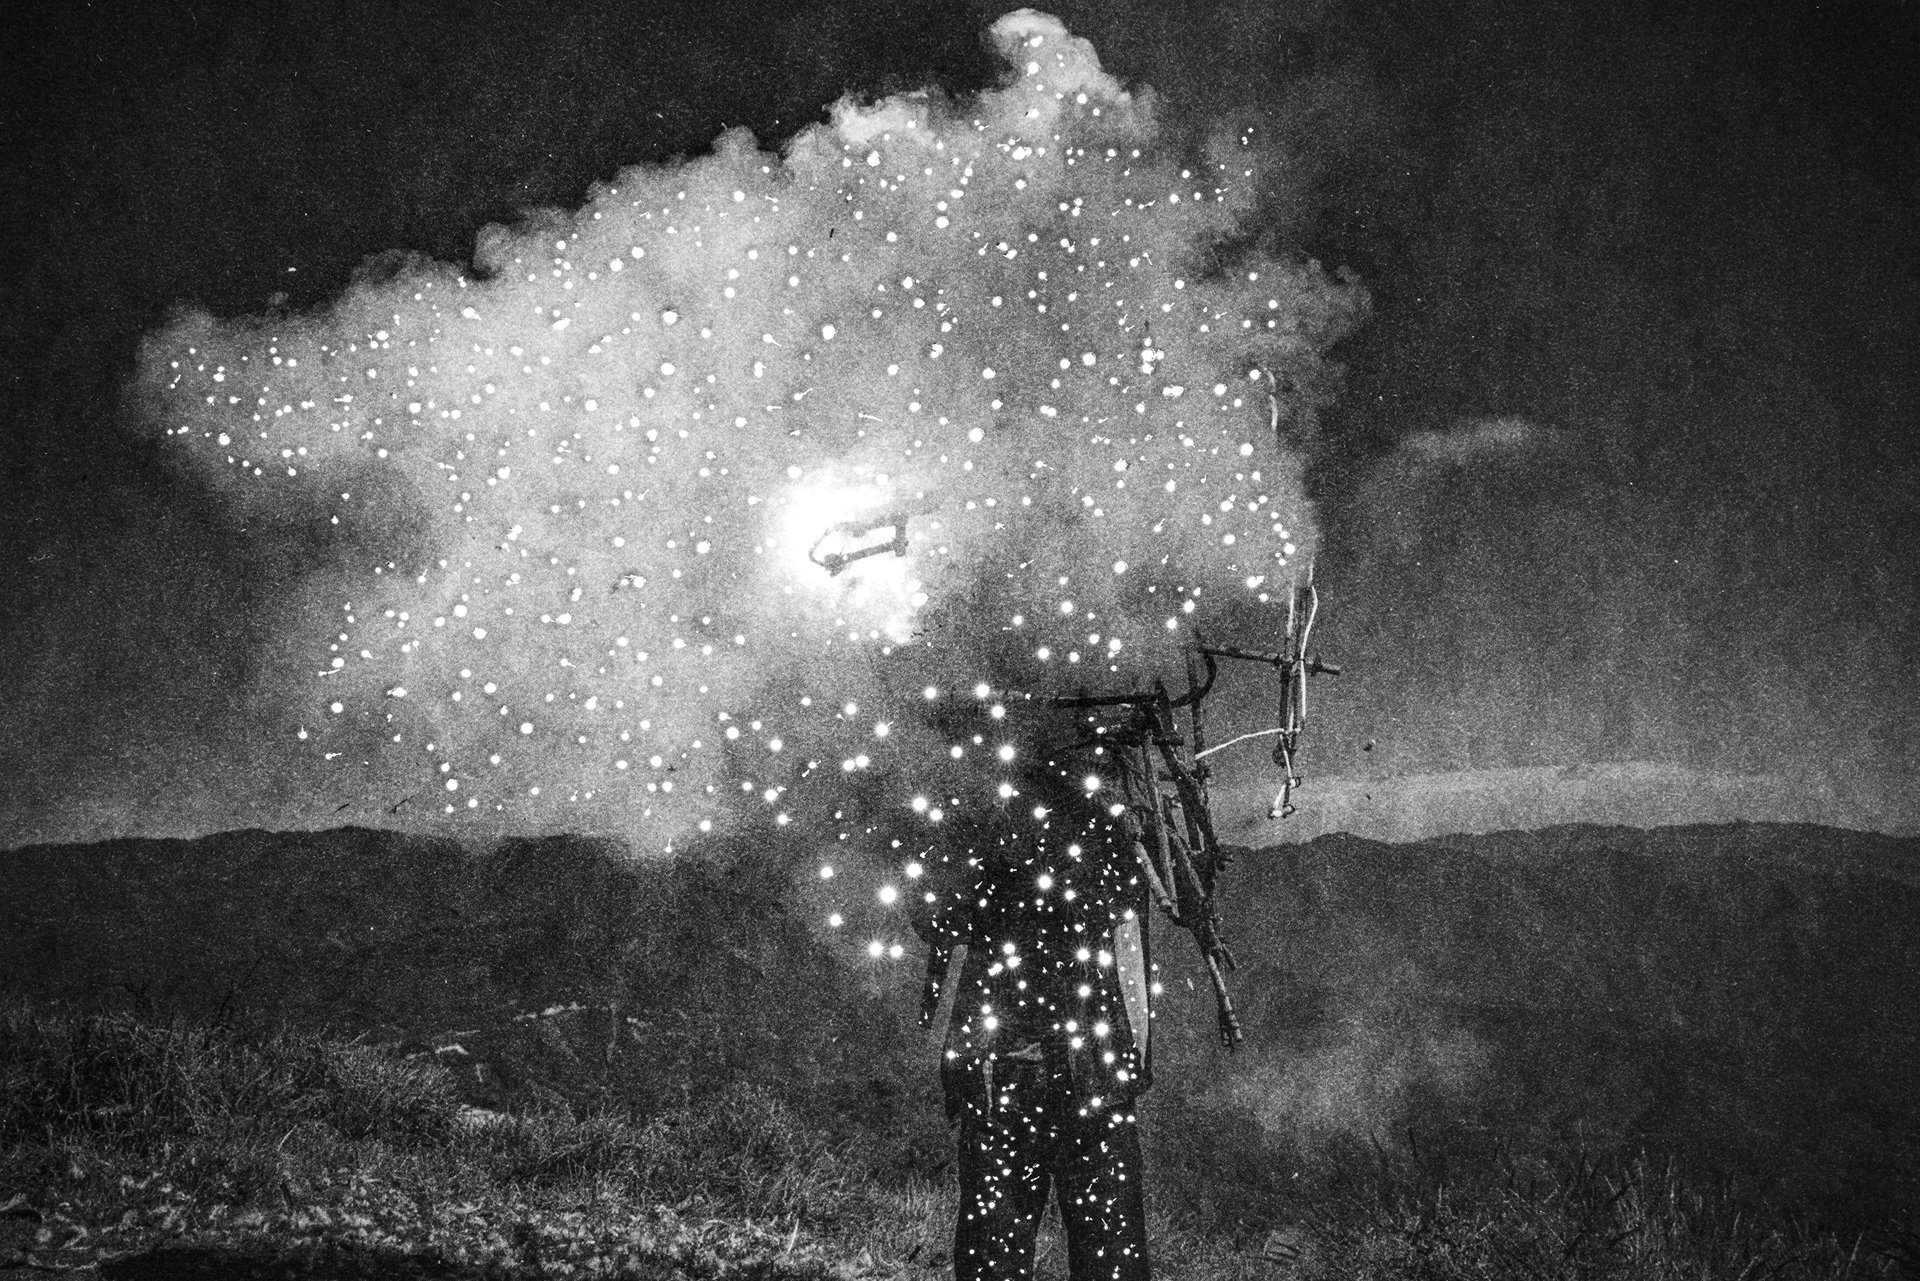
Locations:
{"points": [[1619, 469]]}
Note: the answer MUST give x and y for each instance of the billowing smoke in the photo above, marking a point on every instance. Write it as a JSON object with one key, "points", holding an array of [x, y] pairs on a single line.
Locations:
{"points": [[753, 469]]}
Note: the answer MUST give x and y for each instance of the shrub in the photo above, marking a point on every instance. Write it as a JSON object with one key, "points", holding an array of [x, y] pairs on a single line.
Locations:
{"points": [[550, 1148], [370, 1091], [747, 1148], [115, 1076]]}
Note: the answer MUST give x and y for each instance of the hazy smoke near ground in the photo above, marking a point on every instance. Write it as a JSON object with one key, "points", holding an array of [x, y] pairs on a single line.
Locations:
{"points": [[1358, 1077], [620, 478], [1385, 1042]]}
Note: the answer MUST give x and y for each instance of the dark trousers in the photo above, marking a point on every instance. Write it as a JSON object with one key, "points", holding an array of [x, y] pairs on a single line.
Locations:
{"points": [[1022, 1134]]}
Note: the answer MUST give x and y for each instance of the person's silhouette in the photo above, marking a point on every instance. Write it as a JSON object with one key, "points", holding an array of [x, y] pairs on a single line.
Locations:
{"points": [[1042, 908]]}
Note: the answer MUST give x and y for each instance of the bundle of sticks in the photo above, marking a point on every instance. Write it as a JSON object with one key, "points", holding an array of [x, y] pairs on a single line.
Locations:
{"points": [[1163, 776]]}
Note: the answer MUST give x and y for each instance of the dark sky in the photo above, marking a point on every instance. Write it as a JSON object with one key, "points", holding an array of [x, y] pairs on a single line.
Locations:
{"points": [[1622, 470]]}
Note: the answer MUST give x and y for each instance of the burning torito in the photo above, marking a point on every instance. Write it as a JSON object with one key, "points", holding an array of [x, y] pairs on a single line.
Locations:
{"points": [[1036, 922], [811, 488], [671, 512]]}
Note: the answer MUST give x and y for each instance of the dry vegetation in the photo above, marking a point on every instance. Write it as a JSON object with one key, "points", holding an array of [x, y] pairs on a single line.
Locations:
{"points": [[134, 1144], [678, 1131]]}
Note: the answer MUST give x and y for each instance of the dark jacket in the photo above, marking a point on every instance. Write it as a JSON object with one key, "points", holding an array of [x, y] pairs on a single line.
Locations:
{"points": [[1037, 903]]}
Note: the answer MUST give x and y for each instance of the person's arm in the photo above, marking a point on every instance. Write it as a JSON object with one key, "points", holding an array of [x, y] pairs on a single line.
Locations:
{"points": [[944, 967], [1130, 965], [944, 918]]}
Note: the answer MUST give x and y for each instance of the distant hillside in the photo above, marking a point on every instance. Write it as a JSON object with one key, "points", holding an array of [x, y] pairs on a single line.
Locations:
{"points": [[1740, 997], [1647, 794], [1743, 996], [535, 967]]}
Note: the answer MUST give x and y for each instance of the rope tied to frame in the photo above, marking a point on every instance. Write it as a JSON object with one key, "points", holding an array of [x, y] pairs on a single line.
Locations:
{"points": [[1165, 812]]}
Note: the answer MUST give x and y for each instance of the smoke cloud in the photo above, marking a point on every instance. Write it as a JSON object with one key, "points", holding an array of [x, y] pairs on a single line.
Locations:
{"points": [[1384, 1046], [747, 474]]}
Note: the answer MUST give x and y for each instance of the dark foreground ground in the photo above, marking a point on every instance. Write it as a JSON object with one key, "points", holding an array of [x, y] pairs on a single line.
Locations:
{"points": [[1580, 1052]]}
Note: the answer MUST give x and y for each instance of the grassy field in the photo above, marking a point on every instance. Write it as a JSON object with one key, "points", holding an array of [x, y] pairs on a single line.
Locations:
{"points": [[356, 1054]]}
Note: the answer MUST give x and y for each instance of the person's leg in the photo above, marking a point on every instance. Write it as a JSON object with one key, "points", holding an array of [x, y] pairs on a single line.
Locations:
{"points": [[1102, 1201], [1003, 1179]]}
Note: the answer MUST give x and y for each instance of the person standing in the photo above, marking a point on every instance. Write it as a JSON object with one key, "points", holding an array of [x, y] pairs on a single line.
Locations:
{"points": [[1046, 1050]]}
